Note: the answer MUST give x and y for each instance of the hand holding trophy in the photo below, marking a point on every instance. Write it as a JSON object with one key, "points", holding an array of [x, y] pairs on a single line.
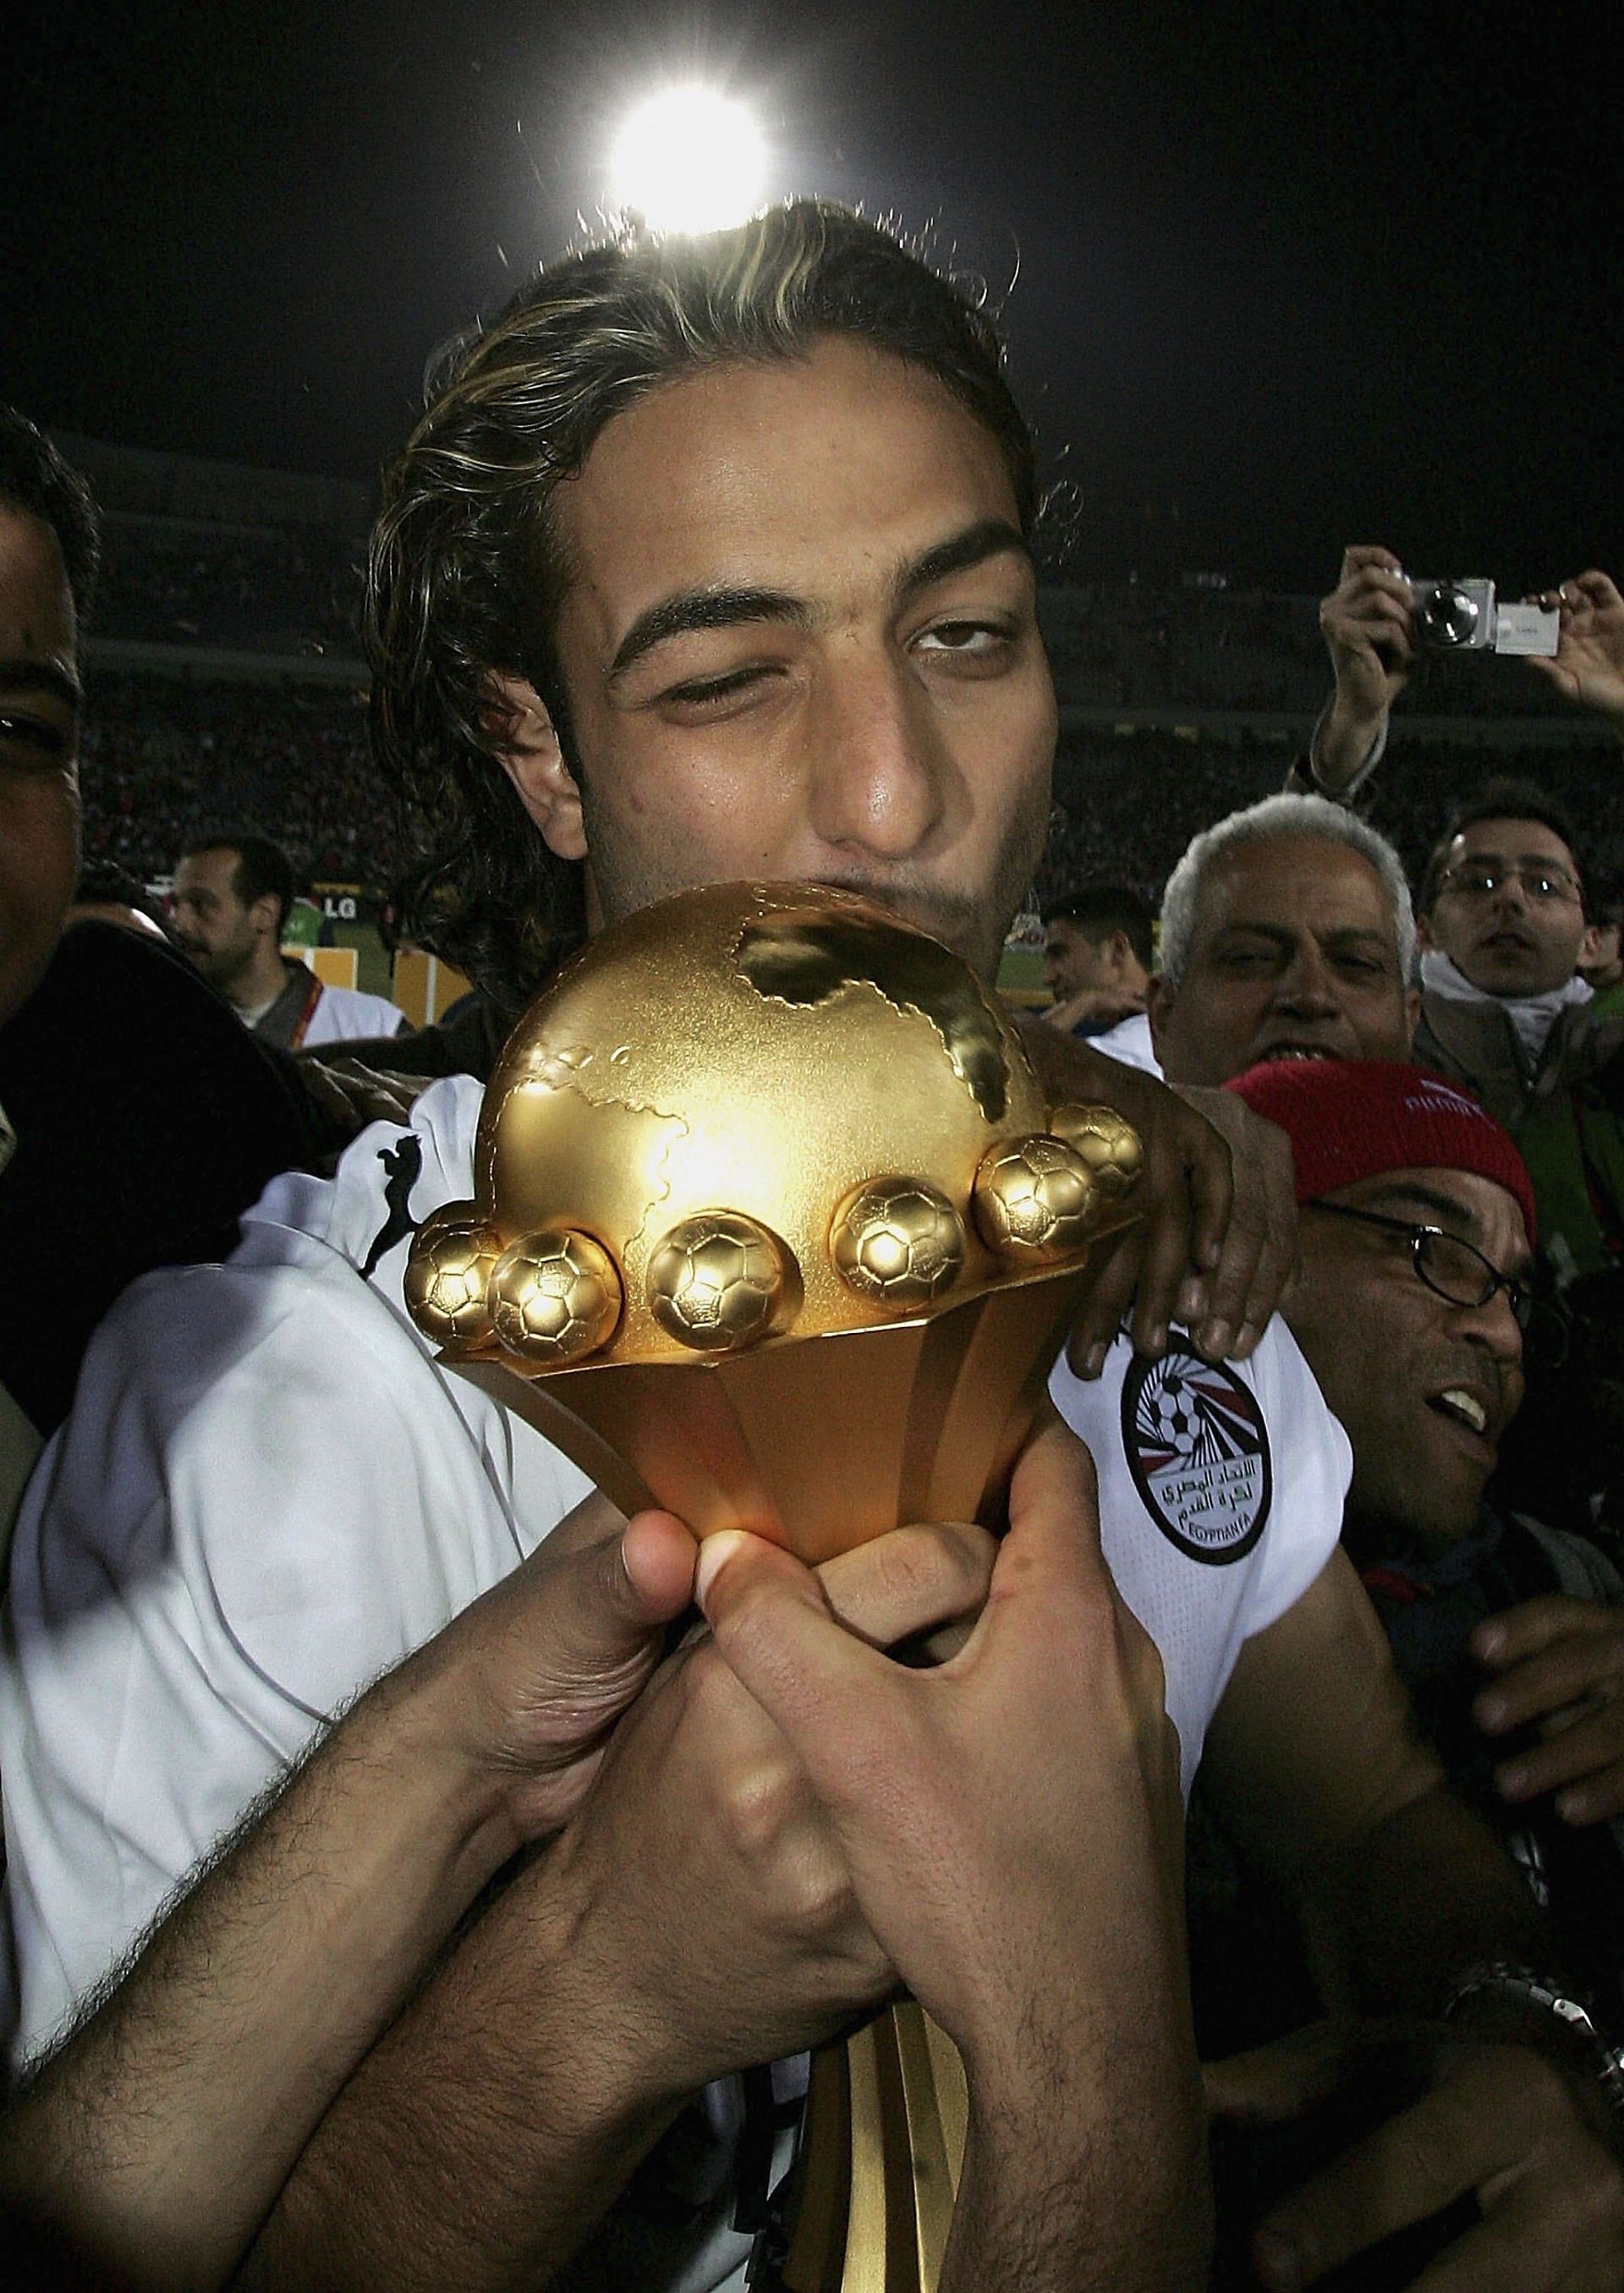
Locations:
{"points": [[775, 1229]]}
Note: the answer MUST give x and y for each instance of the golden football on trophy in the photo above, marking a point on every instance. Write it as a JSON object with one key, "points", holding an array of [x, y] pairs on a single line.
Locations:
{"points": [[755, 1112]]}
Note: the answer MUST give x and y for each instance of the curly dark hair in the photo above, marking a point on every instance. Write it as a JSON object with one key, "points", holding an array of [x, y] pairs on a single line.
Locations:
{"points": [[35, 477], [466, 575]]}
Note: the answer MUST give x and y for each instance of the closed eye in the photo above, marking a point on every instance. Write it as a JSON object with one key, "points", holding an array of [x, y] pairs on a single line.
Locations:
{"points": [[700, 693], [48, 743]]}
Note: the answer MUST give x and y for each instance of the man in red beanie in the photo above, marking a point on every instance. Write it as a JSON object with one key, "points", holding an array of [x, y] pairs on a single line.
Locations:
{"points": [[1416, 1246]]}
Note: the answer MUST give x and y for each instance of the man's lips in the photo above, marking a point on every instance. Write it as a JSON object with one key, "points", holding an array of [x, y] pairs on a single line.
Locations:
{"points": [[1508, 940], [1473, 1411], [1285, 1047]]}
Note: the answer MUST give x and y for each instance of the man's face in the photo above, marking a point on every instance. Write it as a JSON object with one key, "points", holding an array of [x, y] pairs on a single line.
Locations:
{"points": [[1508, 911], [1072, 961], [39, 720], [1424, 1388], [213, 929], [1294, 955], [799, 641]]}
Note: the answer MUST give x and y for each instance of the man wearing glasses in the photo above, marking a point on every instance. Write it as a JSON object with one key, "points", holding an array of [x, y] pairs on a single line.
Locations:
{"points": [[1414, 1247], [1415, 1300]]}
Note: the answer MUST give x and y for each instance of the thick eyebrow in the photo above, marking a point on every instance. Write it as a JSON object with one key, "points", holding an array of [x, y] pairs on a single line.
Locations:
{"points": [[702, 609], [732, 608], [41, 676], [990, 537]]}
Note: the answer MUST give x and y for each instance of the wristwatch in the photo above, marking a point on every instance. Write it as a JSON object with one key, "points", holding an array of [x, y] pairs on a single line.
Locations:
{"points": [[1525, 1986]]}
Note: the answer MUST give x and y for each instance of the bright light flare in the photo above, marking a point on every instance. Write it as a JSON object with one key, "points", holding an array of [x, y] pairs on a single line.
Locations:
{"points": [[689, 160]]}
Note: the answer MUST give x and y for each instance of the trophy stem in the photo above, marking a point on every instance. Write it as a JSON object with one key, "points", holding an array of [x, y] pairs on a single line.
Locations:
{"points": [[884, 2145]]}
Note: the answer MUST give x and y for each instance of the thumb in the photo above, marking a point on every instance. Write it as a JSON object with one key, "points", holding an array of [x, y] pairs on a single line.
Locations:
{"points": [[658, 1555], [773, 1624], [611, 1601]]}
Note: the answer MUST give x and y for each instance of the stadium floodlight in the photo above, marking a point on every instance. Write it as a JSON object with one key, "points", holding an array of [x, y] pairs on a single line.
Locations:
{"points": [[688, 159]]}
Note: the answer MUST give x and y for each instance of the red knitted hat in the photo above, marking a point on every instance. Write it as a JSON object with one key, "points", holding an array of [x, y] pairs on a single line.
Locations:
{"points": [[1353, 1119]]}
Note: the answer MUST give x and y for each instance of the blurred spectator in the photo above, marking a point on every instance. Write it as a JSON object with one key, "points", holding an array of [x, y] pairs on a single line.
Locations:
{"points": [[1504, 1007], [1601, 959], [1097, 957], [233, 892], [138, 1120]]}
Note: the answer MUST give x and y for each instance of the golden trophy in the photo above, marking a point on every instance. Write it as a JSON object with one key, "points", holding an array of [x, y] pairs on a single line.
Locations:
{"points": [[775, 1228]]}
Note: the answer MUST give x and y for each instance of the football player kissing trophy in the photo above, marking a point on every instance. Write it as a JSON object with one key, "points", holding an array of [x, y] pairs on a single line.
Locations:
{"points": [[775, 1230]]}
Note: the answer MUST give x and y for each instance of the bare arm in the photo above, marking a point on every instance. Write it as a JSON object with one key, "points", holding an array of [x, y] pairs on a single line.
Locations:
{"points": [[1348, 1812], [1404, 1890], [695, 1918], [1366, 625], [158, 2136]]}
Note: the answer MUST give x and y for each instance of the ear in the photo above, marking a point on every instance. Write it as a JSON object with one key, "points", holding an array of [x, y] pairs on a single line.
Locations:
{"points": [[526, 746], [262, 915], [1158, 1010], [1424, 935], [1590, 946]]}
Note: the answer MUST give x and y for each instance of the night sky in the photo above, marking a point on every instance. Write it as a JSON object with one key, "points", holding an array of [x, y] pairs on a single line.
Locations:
{"points": [[1283, 277]]}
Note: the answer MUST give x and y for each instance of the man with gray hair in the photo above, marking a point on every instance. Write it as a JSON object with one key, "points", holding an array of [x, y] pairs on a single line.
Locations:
{"points": [[1286, 933]]}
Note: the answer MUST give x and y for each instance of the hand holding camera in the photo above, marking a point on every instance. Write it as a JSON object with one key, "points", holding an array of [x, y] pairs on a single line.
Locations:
{"points": [[1586, 664], [1366, 625]]}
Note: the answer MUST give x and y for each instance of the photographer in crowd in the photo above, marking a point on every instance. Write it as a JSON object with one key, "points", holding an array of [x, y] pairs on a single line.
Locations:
{"points": [[1504, 926]]}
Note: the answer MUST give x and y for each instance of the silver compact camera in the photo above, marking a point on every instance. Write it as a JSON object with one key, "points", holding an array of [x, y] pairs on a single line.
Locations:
{"points": [[1465, 617], [1454, 616]]}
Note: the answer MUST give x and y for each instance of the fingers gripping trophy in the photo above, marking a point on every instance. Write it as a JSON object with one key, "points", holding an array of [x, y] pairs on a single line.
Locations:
{"points": [[775, 1230]]}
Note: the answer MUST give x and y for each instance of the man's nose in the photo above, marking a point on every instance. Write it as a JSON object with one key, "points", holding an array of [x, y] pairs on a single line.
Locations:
{"points": [[1493, 1327], [880, 773], [1307, 984], [1509, 895]]}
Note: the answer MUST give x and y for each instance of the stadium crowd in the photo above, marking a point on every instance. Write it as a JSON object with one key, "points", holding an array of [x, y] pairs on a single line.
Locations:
{"points": [[419, 1873], [166, 759]]}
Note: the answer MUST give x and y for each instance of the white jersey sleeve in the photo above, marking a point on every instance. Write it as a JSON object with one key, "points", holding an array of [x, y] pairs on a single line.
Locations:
{"points": [[1220, 1496], [267, 1492], [344, 1014]]}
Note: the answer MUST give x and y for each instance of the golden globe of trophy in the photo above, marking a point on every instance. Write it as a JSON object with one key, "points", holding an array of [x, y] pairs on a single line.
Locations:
{"points": [[774, 1227]]}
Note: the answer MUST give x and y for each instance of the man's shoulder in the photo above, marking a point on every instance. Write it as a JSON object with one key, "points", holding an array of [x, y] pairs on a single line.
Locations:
{"points": [[386, 1182], [1221, 1495], [345, 1014], [1129, 1042]]}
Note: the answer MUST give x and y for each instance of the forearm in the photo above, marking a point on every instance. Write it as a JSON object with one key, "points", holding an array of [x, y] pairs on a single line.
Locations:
{"points": [[1422, 1895], [160, 2136], [1072, 2192], [486, 2134]]}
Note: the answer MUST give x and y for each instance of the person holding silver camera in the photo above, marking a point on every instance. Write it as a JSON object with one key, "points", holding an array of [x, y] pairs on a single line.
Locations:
{"points": [[1376, 621], [1503, 923]]}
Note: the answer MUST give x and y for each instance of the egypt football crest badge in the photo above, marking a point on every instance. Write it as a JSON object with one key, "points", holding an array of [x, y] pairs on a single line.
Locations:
{"points": [[1198, 1451]]}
